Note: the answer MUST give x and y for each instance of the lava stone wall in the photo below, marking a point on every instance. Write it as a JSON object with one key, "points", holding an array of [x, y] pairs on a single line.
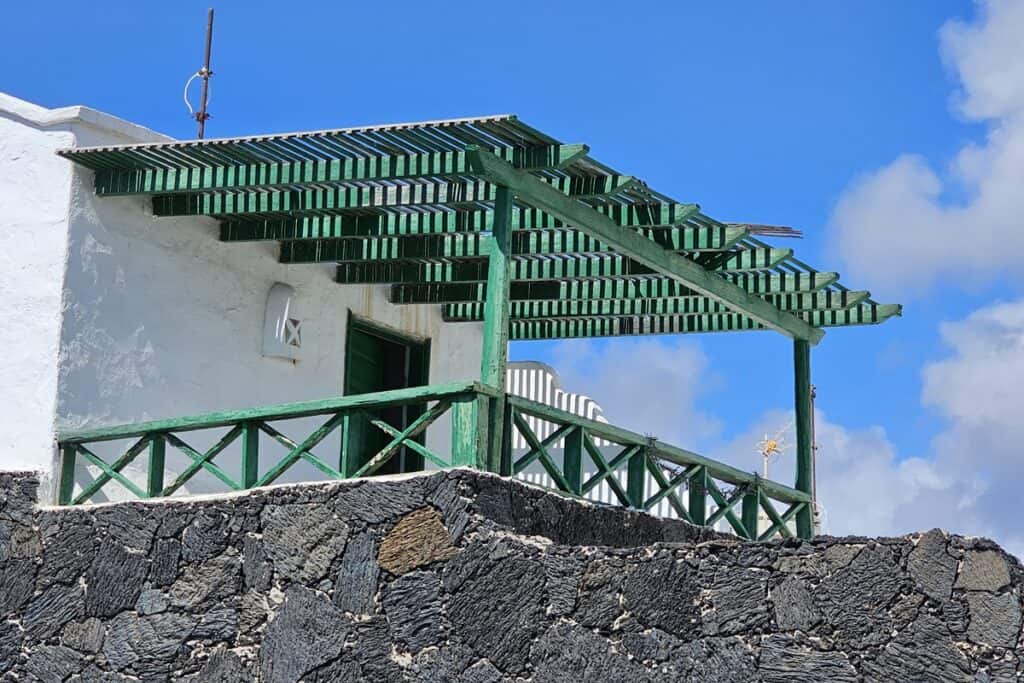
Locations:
{"points": [[461, 576]]}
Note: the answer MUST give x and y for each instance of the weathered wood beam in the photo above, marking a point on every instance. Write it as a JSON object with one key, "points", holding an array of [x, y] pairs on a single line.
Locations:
{"points": [[684, 305], [636, 216], [605, 289], [425, 194], [570, 328], [389, 167], [535, 192]]}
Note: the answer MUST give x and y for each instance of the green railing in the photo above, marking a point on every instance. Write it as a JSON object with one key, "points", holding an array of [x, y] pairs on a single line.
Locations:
{"points": [[642, 473]]}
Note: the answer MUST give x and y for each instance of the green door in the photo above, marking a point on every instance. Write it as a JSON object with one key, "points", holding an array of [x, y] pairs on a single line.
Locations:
{"points": [[378, 360]]}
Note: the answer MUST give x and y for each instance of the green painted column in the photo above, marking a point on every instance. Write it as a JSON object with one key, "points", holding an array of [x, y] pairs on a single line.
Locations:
{"points": [[494, 357], [499, 277], [157, 454], [804, 435]]}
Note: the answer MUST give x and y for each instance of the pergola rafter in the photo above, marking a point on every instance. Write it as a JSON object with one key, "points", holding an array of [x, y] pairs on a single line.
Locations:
{"points": [[502, 224]]}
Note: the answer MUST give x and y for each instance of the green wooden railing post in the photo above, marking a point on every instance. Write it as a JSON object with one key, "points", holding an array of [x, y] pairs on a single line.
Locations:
{"points": [[572, 460], [507, 430], [155, 476], [250, 454], [698, 502], [67, 474], [804, 447], [636, 475], [494, 357], [469, 431], [751, 509]]}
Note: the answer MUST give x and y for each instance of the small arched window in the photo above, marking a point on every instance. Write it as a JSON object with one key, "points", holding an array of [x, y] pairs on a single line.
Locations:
{"points": [[282, 325]]}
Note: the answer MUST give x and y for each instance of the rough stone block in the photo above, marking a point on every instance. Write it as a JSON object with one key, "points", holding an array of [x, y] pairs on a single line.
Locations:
{"points": [[412, 605], [302, 540], [356, 585], [983, 570], [794, 606], [114, 580], [419, 539], [931, 565], [995, 619], [84, 636], [306, 633]]}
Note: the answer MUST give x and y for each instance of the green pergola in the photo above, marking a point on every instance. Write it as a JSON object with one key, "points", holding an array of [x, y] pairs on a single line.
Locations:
{"points": [[497, 222]]}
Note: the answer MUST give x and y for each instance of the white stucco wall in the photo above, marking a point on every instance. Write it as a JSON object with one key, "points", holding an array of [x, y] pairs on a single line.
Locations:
{"points": [[161, 319], [35, 187]]}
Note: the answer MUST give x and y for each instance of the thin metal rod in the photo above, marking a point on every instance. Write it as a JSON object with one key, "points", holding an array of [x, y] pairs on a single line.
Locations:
{"points": [[205, 73]]}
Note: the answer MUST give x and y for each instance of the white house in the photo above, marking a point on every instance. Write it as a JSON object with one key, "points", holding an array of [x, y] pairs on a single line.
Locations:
{"points": [[111, 316]]}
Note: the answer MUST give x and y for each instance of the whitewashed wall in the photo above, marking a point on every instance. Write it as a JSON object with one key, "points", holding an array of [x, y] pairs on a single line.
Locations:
{"points": [[163, 320]]}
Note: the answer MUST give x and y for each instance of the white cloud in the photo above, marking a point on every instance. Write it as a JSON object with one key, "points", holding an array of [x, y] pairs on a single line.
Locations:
{"points": [[898, 228], [615, 375], [969, 483]]}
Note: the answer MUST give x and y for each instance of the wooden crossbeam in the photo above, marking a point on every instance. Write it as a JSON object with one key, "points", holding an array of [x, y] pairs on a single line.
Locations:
{"points": [[606, 289], [387, 167], [533, 191], [684, 305], [572, 328], [108, 473], [426, 194], [558, 267], [636, 216]]}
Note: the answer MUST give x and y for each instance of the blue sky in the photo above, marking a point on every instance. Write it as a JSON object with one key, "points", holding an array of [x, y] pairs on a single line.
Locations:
{"points": [[761, 112]]}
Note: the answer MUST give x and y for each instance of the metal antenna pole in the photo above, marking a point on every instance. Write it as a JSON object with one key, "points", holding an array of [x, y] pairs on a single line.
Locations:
{"points": [[205, 73], [814, 463]]}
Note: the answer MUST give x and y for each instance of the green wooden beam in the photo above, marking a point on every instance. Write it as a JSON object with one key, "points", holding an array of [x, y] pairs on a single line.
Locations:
{"points": [[605, 289], [425, 194], [561, 267], [388, 167], [570, 328], [637, 216], [685, 305], [535, 192], [531, 242]]}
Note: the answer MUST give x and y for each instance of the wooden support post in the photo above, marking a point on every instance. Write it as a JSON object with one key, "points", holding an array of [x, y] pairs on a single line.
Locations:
{"points": [[698, 503], [751, 510], [250, 454], [494, 358], [636, 475], [572, 460], [470, 431], [804, 447], [155, 477], [67, 474]]}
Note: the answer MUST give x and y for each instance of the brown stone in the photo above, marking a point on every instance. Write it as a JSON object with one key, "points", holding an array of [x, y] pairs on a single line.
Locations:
{"points": [[420, 538]]}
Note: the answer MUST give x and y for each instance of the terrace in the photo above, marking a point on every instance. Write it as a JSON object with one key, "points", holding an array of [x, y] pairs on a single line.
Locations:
{"points": [[497, 223]]}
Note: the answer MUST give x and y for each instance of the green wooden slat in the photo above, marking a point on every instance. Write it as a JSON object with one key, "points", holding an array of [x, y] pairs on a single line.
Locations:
{"points": [[698, 496], [110, 472], [725, 507], [318, 200], [655, 221], [606, 471], [540, 449], [536, 193], [312, 440], [390, 167], [524, 242], [412, 445], [250, 454], [116, 466], [750, 509], [414, 428], [561, 267], [303, 453], [608, 289], [780, 522], [691, 305], [571, 328], [469, 442], [667, 490], [201, 461], [572, 461]]}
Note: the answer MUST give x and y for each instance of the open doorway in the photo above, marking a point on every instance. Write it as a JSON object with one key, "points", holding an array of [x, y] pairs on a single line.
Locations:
{"points": [[378, 359]]}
